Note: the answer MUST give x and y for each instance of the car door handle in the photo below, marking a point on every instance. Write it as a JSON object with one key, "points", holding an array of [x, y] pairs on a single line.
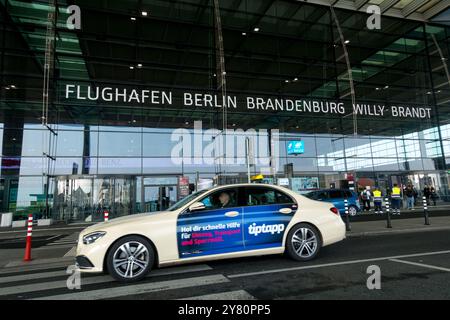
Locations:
{"points": [[232, 214], [285, 210]]}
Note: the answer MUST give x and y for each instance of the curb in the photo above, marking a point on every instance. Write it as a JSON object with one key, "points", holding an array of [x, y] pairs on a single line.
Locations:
{"points": [[46, 229], [394, 231]]}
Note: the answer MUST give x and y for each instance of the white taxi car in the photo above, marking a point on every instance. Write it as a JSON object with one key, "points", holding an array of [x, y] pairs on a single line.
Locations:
{"points": [[223, 222]]}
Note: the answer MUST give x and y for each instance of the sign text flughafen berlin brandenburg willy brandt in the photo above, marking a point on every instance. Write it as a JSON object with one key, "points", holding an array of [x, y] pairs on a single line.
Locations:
{"points": [[252, 103]]}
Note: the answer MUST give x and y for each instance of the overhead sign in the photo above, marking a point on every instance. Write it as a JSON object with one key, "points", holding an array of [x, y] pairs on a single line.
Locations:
{"points": [[295, 147], [144, 96]]}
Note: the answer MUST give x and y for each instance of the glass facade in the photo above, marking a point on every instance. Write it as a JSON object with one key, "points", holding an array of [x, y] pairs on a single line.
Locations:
{"points": [[85, 154]]}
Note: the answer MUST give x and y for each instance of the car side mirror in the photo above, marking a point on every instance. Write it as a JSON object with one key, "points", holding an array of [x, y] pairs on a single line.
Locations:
{"points": [[197, 206]]}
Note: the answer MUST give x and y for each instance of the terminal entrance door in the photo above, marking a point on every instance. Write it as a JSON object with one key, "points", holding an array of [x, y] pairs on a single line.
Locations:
{"points": [[159, 198], [158, 193]]}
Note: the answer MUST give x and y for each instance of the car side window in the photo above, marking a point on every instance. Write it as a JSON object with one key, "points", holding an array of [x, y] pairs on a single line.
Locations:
{"points": [[322, 195], [265, 196], [312, 195], [225, 198], [336, 194]]}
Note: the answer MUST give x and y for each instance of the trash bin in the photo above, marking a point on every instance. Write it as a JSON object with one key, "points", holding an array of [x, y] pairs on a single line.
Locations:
{"points": [[6, 220]]}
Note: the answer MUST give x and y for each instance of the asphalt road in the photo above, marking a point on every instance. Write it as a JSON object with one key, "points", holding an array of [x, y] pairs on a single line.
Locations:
{"points": [[413, 266]]}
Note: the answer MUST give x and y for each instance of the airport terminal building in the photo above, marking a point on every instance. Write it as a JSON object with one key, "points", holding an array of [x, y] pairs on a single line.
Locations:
{"points": [[127, 106]]}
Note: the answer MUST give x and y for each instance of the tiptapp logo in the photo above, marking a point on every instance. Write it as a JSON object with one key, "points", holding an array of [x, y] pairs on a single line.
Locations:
{"points": [[271, 228]]}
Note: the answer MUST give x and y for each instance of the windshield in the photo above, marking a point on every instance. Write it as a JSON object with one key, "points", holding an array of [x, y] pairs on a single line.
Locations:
{"points": [[185, 200]]}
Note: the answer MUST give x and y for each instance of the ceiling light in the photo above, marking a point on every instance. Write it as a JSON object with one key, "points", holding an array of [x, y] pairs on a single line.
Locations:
{"points": [[244, 33], [139, 65], [144, 13], [429, 92], [287, 81], [186, 123], [12, 86], [256, 29], [386, 87], [133, 19], [131, 67], [295, 79], [377, 89], [7, 88], [347, 41]]}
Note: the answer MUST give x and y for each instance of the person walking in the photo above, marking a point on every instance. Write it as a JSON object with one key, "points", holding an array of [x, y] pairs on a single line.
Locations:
{"points": [[378, 201], [396, 199], [409, 193]]}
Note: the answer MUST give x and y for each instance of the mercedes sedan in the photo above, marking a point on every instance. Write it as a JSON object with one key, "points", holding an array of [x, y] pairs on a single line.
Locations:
{"points": [[223, 222]]}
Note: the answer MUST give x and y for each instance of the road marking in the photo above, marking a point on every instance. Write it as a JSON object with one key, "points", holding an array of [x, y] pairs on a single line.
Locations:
{"points": [[38, 267], [84, 280], [71, 253], [32, 276], [51, 238], [138, 289], [65, 243], [22, 264], [420, 265], [66, 240], [229, 295], [249, 274]]}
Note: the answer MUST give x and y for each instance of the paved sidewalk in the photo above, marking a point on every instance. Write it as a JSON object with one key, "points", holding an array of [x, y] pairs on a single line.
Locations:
{"points": [[369, 228]]}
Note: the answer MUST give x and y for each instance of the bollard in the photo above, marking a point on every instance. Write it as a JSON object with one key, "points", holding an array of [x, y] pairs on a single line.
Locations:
{"points": [[27, 256], [347, 219], [388, 213], [106, 215], [425, 211]]}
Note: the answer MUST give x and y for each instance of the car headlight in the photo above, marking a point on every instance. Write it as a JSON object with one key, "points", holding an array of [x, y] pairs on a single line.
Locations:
{"points": [[92, 237]]}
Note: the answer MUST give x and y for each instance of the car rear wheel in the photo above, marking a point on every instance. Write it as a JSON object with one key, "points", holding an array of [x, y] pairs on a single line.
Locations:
{"points": [[130, 259], [303, 242], [352, 211]]}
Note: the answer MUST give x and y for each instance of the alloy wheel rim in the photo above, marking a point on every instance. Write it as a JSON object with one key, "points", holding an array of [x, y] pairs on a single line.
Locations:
{"points": [[131, 259], [304, 242], [352, 211]]}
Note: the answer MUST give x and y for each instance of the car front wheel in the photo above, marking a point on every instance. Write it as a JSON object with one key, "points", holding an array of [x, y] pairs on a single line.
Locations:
{"points": [[130, 259], [303, 242]]}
